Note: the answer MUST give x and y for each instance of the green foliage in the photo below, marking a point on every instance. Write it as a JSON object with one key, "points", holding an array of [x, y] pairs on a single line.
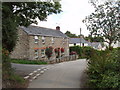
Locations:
{"points": [[103, 69], [104, 21], [16, 78], [94, 39], [49, 51], [83, 52], [16, 14], [27, 61], [71, 35], [8, 75]]}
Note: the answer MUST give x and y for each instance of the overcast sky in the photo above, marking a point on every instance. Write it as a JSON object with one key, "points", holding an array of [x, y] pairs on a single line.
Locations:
{"points": [[74, 11]]}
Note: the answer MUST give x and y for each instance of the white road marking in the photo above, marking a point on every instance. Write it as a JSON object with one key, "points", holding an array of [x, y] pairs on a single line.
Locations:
{"points": [[26, 77], [42, 72], [31, 74], [34, 71]]}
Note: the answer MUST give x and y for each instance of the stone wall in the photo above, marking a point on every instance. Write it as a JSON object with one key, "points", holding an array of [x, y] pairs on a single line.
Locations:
{"points": [[58, 42], [63, 59], [22, 46], [26, 46]]}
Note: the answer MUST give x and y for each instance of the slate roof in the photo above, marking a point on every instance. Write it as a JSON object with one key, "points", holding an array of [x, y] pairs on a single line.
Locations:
{"points": [[95, 44], [42, 31], [77, 40]]}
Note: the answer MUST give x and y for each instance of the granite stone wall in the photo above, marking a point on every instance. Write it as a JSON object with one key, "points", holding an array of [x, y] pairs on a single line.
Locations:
{"points": [[26, 46], [21, 50]]}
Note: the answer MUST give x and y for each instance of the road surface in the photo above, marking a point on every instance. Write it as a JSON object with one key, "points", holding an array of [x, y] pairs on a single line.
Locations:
{"points": [[63, 75]]}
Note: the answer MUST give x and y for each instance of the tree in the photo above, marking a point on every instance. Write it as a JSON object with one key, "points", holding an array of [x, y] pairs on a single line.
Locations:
{"points": [[69, 34], [15, 14], [105, 22], [94, 39]]}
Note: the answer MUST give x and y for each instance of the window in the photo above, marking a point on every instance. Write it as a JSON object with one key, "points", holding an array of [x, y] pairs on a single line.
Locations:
{"points": [[43, 39], [52, 40], [36, 54], [42, 52], [36, 39], [63, 40], [83, 44], [74, 44]]}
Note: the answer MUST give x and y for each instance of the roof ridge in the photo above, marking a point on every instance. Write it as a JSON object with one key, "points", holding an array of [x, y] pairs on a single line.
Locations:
{"points": [[43, 27], [37, 30]]}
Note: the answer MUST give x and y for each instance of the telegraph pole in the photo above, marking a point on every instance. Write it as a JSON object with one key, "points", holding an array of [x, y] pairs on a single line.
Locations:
{"points": [[80, 37]]}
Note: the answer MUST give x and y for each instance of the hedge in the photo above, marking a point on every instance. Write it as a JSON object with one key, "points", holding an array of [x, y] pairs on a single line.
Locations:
{"points": [[83, 52], [104, 69]]}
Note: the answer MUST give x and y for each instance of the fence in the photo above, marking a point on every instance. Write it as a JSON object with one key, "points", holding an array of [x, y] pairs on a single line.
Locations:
{"points": [[63, 59]]}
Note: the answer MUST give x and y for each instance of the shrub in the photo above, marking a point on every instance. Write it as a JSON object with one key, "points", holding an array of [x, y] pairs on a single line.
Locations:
{"points": [[103, 69], [83, 52], [49, 52], [9, 78], [73, 53]]}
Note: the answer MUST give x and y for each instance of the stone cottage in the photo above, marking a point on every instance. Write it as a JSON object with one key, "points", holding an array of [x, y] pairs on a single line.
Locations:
{"points": [[33, 41]]}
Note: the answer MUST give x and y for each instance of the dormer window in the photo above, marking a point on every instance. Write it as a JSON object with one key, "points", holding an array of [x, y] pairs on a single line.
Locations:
{"points": [[36, 39], [43, 39], [52, 40]]}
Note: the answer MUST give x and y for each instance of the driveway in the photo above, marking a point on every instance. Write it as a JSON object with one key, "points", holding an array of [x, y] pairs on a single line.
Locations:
{"points": [[63, 75]]}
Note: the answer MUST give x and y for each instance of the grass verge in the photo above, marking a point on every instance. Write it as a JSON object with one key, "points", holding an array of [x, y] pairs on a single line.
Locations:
{"points": [[20, 61]]}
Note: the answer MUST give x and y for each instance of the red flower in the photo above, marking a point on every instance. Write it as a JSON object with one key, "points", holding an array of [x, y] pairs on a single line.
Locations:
{"points": [[73, 53], [55, 50], [62, 50]]}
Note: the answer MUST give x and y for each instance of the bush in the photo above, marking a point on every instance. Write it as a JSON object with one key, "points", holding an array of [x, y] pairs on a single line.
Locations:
{"points": [[83, 52], [9, 78], [49, 52], [103, 69]]}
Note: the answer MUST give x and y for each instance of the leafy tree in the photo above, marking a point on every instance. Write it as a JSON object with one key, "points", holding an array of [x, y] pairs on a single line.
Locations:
{"points": [[69, 34], [105, 22], [15, 14], [94, 39]]}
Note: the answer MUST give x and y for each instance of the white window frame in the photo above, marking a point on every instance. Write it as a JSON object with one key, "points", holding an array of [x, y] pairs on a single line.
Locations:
{"points": [[43, 53], [36, 39], [36, 53], [52, 39], [43, 39], [63, 40]]}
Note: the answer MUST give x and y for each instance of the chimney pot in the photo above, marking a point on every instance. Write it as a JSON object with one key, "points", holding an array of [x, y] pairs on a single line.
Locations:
{"points": [[58, 28]]}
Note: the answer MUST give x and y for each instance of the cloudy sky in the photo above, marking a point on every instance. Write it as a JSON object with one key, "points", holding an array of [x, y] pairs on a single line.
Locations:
{"points": [[74, 11]]}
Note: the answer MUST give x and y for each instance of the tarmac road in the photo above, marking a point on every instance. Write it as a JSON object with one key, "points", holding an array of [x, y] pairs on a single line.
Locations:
{"points": [[63, 75]]}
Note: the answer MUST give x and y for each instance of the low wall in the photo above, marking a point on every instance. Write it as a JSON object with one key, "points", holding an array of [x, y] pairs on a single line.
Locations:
{"points": [[62, 59]]}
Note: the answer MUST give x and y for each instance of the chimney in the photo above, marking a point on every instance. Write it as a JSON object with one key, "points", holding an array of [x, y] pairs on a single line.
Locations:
{"points": [[58, 28]]}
